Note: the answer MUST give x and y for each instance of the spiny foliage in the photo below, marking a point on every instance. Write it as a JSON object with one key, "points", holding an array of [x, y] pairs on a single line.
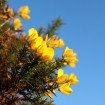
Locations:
{"points": [[52, 28]]}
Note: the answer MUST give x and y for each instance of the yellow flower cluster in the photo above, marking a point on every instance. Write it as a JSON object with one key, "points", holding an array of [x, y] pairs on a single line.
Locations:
{"points": [[69, 57], [44, 47], [64, 81], [41, 46], [23, 12]]}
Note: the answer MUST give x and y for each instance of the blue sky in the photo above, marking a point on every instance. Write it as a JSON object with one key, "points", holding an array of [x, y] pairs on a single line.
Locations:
{"points": [[84, 32]]}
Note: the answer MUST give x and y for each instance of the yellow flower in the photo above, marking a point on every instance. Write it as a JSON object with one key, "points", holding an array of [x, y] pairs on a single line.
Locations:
{"points": [[36, 43], [61, 77], [23, 12], [55, 42], [17, 23], [69, 57], [24, 9], [73, 79], [47, 54], [32, 34], [41, 48], [65, 89], [49, 93]]}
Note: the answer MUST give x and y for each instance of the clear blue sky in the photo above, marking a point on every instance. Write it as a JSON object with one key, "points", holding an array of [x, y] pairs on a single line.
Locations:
{"points": [[84, 32]]}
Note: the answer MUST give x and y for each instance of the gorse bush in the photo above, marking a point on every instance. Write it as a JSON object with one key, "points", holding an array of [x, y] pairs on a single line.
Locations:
{"points": [[29, 72]]}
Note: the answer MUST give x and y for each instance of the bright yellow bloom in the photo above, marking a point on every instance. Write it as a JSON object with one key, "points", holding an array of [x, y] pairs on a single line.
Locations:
{"points": [[61, 77], [65, 89], [69, 57], [36, 43], [23, 12], [73, 79], [32, 34], [41, 48], [47, 54], [17, 23], [55, 42]]}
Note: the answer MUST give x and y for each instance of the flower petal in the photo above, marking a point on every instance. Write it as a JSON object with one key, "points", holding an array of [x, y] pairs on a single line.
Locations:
{"points": [[73, 79], [65, 89], [60, 72], [62, 79]]}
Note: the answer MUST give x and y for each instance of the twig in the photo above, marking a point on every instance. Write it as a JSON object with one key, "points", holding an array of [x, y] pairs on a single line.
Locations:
{"points": [[4, 23]]}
